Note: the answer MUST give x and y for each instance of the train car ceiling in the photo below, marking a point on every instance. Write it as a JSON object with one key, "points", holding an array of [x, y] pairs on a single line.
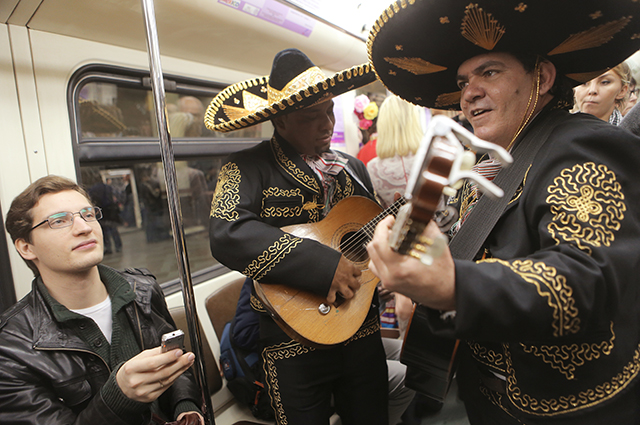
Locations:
{"points": [[204, 31]]}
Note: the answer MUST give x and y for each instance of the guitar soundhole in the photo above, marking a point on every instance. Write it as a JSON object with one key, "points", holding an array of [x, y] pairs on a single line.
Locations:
{"points": [[353, 245]]}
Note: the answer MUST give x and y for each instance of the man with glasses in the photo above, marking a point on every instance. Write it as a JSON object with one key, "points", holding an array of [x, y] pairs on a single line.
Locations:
{"points": [[83, 346]]}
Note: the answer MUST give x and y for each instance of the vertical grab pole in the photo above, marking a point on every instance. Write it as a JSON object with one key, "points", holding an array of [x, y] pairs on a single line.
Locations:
{"points": [[175, 212]]}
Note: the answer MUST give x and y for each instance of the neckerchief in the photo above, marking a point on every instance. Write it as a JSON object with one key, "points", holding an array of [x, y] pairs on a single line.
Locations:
{"points": [[326, 166]]}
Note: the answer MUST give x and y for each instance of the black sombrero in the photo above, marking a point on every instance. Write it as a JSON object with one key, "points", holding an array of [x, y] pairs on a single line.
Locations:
{"points": [[98, 119], [416, 46], [294, 83]]}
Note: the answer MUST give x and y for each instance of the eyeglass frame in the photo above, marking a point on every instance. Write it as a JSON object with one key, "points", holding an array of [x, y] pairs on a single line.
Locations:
{"points": [[96, 210]]}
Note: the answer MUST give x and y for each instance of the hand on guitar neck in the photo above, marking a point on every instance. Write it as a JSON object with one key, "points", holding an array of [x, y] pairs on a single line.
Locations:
{"points": [[345, 282], [441, 164], [432, 286]]}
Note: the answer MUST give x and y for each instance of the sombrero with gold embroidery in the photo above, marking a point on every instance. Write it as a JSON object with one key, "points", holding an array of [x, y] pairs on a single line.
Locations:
{"points": [[294, 83], [416, 46]]}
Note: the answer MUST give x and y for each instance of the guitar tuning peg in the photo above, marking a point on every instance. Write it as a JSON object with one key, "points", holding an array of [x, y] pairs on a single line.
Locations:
{"points": [[451, 191], [468, 161], [427, 249]]}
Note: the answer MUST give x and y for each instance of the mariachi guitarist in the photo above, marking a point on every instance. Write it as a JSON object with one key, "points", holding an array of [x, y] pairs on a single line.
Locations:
{"points": [[547, 302], [295, 178]]}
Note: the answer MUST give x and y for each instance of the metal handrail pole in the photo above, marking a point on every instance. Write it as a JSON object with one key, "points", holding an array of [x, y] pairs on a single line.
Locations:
{"points": [[175, 212]]}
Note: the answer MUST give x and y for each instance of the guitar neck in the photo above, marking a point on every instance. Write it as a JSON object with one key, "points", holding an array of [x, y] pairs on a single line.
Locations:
{"points": [[393, 209]]}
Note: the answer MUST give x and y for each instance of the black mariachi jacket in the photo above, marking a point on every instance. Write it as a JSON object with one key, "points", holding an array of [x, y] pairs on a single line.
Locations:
{"points": [[48, 375], [554, 304], [267, 187]]}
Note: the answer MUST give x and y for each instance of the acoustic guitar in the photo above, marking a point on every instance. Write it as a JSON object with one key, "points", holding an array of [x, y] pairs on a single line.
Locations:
{"points": [[443, 164], [307, 317]]}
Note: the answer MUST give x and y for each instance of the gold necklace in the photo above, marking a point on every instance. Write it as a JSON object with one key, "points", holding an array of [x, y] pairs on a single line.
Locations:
{"points": [[535, 88]]}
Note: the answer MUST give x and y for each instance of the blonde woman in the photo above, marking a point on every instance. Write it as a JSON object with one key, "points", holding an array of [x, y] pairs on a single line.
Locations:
{"points": [[605, 96], [400, 130]]}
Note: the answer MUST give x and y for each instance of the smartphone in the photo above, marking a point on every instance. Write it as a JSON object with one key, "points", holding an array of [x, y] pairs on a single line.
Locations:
{"points": [[173, 340]]}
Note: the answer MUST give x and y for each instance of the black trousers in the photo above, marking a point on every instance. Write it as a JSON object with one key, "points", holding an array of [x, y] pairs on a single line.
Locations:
{"points": [[307, 385]]}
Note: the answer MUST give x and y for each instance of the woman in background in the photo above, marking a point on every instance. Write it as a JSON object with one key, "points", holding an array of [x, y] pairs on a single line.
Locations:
{"points": [[400, 131], [632, 98], [401, 126], [605, 95]]}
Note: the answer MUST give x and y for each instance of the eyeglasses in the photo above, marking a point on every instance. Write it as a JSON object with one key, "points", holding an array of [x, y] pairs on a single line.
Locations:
{"points": [[65, 219]]}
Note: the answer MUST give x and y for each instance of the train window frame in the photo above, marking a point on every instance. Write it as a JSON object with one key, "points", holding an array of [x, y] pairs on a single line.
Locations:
{"points": [[99, 150]]}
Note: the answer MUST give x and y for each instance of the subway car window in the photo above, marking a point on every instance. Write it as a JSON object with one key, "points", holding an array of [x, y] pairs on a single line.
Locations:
{"points": [[119, 163], [135, 223], [107, 110]]}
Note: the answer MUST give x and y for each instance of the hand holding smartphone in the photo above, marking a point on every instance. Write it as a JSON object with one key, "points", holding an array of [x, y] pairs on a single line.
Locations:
{"points": [[172, 340]]}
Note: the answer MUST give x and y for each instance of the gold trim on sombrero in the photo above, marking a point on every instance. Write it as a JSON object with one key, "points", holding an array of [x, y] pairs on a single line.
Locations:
{"points": [[520, 8], [308, 78], [447, 99], [384, 17], [218, 102], [252, 103], [417, 66], [307, 84], [593, 37], [100, 110], [480, 28]]}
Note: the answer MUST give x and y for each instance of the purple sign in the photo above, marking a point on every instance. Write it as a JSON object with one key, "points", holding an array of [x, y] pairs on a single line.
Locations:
{"points": [[276, 13]]}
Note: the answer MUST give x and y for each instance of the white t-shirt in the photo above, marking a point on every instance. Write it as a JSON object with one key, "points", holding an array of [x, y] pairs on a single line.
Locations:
{"points": [[101, 314]]}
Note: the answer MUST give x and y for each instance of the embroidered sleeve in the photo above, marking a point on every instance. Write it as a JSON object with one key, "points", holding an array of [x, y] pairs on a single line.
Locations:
{"points": [[227, 194]]}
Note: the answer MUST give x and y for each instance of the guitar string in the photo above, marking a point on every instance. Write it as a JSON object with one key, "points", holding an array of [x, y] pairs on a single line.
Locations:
{"points": [[356, 244]]}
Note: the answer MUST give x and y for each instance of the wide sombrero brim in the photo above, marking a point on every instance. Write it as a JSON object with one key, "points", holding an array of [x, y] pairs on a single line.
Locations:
{"points": [[98, 119], [416, 46], [245, 103]]}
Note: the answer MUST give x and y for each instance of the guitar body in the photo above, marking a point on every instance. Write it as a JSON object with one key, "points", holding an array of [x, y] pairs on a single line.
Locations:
{"points": [[298, 312], [430, 359]]}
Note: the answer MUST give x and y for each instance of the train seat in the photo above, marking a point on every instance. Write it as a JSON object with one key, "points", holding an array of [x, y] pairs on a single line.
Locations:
{"points": [[221, 305], [214, 380]]}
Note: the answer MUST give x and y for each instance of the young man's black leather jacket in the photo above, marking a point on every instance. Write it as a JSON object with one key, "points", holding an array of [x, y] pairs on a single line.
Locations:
{"points": [[48, 375]]}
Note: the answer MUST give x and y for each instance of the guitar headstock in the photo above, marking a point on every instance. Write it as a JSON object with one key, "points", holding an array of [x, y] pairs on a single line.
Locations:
{"points": [[445, 158]]}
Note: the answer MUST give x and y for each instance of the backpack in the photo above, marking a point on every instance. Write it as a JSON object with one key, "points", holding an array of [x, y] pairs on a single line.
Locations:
{"points": [[244, 374]]}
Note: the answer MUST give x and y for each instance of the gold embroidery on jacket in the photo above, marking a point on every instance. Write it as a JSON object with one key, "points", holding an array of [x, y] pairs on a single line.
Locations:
{"points": [[565, 358], [257, 305], [349, 189], [520, 188], [487, 356], [496, 398], [285, 211], [271, 256], [587, 205], [572, 402], [288, 165], [227, 195], [553, 287]]}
